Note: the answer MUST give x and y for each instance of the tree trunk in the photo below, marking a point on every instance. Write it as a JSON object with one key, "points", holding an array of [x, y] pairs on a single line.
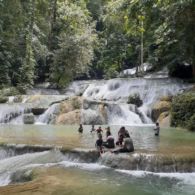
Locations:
{"points": [[142, 50], [53, 14]]}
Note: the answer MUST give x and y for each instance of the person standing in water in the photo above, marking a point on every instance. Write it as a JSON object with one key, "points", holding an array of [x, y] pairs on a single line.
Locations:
{"points": [[80, 130], [99, 143], [99, 130], [157, 129], [108, 132], [92, 128]]}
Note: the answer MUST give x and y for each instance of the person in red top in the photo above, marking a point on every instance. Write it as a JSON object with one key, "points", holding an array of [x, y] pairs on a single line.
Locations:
{"points": [[99, 130]]}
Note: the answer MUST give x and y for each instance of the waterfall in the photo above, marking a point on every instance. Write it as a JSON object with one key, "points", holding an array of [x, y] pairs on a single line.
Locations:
{"points": [[12, 111], [122, 114], [117, 91], [114, 93], [49, 115]]}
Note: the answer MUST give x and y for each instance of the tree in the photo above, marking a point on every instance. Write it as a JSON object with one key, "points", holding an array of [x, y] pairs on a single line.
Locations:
{"points": [[28, 66], [76, 40]]}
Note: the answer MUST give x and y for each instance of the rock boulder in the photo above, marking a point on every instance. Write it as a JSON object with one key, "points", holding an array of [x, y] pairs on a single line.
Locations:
{"points": [[160, 107], [28, 118]]}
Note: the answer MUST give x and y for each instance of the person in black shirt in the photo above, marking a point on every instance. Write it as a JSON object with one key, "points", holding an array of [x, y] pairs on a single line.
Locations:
{"points": [[80, 130], [99, 143], [157, 129]]}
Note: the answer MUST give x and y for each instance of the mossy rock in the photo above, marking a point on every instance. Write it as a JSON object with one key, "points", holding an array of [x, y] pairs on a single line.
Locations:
{"points": [[76, 103], [28, 118], [135, 99], [70, 118], [3, 99], [166, 98], [183, 109], [22, 176], [18, 99], [164, 119], [160, 107]]}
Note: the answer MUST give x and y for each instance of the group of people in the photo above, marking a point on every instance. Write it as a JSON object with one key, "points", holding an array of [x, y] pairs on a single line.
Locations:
{"points": [[124, 141]]}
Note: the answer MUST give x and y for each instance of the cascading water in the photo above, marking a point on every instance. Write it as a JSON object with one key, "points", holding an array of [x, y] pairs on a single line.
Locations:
{"points": [[113, 92], [9, 112], [49, 115], [122, 114], [118, 91]]}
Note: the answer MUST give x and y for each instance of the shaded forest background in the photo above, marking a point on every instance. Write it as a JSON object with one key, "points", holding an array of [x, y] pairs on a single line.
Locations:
{"points": [[62, 40]]}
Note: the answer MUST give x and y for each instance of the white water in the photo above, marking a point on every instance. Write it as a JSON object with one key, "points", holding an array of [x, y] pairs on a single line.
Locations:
{"points": [[187, 178], [115, 92], [122, 114], [54, 158], [10, 165], [11, 111], [118, 90], [48, 115]]}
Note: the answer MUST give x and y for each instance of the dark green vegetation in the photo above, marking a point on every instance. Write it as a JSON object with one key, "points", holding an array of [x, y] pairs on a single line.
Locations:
{"points": [[183, 111], [135, 99], [61, 40]]}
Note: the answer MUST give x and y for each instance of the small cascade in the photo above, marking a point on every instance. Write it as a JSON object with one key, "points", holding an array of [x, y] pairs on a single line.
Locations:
{"points": [[145, 113], [123, 114], [12, 164], [148, 162], [113, 93], [49, 115], [12, 111], [77, 87], [117, 91]]}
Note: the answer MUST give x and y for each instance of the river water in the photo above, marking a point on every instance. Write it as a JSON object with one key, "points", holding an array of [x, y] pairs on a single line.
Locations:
{"points": [[79, 174]]}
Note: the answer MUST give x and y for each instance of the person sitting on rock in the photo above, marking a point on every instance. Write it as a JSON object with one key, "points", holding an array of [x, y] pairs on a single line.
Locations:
{"points": [[120, 140], [122, 133], [109, 142], [126, 134], [80, 130], [126, 147], [99, 143], [157, 129], [99, 130]]}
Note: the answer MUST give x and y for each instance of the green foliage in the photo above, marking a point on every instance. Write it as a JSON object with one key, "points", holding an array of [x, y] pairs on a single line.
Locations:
{"points": [[76, 40], [111, 72], [191, 123], [182, 110], [3, 99], [135, 99], [60, 40]]}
